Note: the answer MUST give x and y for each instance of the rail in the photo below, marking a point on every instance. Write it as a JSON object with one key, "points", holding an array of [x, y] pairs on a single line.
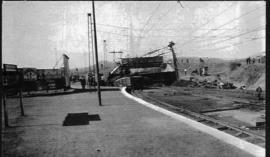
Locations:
{"points": [[220, 125]]}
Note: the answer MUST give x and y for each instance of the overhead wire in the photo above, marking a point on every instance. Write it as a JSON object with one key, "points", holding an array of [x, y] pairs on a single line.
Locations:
{"points": [[154, 51], [214, 37], [241, 34], [111, 33], [234, 28], [222, 12], [249, 40], [123, 27], [108, 25], [178, 1], [225, 24], [233, 44], [160, 17], [238, 35], [57, 62], [152, 15], [197, 37]]}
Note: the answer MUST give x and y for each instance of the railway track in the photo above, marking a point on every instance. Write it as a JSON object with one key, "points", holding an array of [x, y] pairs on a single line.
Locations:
{"points": [[236, 131]]}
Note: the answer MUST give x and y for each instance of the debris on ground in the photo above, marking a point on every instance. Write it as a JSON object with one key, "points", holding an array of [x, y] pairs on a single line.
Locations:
{"points": [[228, 85], [205, 84]]}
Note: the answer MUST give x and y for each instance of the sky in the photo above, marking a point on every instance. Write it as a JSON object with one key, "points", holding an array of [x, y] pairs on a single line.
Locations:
{"points": [[37, 33]]}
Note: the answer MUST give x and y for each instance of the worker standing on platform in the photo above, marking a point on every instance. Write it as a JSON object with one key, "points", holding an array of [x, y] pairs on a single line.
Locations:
{"points": [[185, 71], [83, 82], [89, 80]]}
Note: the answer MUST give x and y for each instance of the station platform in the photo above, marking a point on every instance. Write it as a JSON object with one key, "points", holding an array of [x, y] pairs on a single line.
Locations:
{"points": [[125, 129]]}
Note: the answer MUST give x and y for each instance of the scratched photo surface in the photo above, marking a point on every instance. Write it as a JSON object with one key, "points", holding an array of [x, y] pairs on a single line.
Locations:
{"points": [[133, 78]]}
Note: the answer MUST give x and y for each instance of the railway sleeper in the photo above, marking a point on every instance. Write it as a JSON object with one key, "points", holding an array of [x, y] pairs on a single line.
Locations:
{"points": [[254, 140], [242, 135], [222, 128], [212, 124], [206, 120], [257, 127], [231, 131], [201, 120]]}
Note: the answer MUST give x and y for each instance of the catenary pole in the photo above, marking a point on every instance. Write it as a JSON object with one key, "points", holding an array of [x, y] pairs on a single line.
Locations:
{"points": [[96, 52], [171, 44], [92, 41], [88, 43]]}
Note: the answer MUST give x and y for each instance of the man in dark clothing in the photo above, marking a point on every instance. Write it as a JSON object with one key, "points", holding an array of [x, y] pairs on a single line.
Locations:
{"points": [[89, 80], [200, 71], [248, 60], [259, 93], [194, 71], [83, 82]]}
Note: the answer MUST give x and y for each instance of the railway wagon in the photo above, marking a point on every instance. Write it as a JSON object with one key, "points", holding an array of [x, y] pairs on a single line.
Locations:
{"points": [[131, 82]]}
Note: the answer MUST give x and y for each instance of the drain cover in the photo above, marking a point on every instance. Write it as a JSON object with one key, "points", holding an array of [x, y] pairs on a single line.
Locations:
{"points": [[79, 119]]}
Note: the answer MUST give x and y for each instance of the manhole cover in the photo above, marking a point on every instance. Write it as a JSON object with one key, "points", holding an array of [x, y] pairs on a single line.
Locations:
{"points": [[79, 119]]}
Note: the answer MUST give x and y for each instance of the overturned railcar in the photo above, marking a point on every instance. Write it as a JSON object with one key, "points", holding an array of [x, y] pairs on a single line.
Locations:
{"points": [[141, 72]]}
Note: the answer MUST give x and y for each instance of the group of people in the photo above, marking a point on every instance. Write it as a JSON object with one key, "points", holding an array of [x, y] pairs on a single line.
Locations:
{"points": [[182, 60], [201, 71], [91, 81], [252, 60]]}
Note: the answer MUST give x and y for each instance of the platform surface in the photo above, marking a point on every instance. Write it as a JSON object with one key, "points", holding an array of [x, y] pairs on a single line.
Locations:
{"points": [[126, 129]]}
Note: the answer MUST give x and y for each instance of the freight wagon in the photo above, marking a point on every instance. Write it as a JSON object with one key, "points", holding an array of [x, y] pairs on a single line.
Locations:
{"points": [[131, 82]]}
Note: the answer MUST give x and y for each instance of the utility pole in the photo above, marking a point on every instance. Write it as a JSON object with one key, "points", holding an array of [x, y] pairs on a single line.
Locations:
{"points": [[171, 44], [96, 50], [88, 43], [92, 41], [104, 54]]}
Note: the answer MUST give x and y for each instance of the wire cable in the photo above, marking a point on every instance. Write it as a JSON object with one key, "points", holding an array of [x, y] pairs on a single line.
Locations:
{"points": [[222, 12], [234, 44], [152, 15], [241, 34], [224, 24], [154, 51], [234, 28], [160, 17], [178, 1]]}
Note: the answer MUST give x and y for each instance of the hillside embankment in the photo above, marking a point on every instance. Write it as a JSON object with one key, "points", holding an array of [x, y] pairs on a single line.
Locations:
{"points": [[239, 73]]}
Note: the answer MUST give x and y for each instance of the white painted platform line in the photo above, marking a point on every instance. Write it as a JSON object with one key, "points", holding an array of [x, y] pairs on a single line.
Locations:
{"points": [[244, 145]]}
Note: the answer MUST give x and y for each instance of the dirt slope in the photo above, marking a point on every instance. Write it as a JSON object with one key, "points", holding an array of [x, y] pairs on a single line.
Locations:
{"points": [[234, 71], [251, 76]]}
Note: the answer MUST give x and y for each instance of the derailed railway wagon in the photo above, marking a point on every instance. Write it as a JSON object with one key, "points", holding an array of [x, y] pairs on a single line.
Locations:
{"points": [[131, 82], [140, 72]]}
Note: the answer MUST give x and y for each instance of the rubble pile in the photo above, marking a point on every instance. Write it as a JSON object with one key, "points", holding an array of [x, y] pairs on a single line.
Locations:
{"points": [[184, 83], [204, 84], [228, 86]]}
